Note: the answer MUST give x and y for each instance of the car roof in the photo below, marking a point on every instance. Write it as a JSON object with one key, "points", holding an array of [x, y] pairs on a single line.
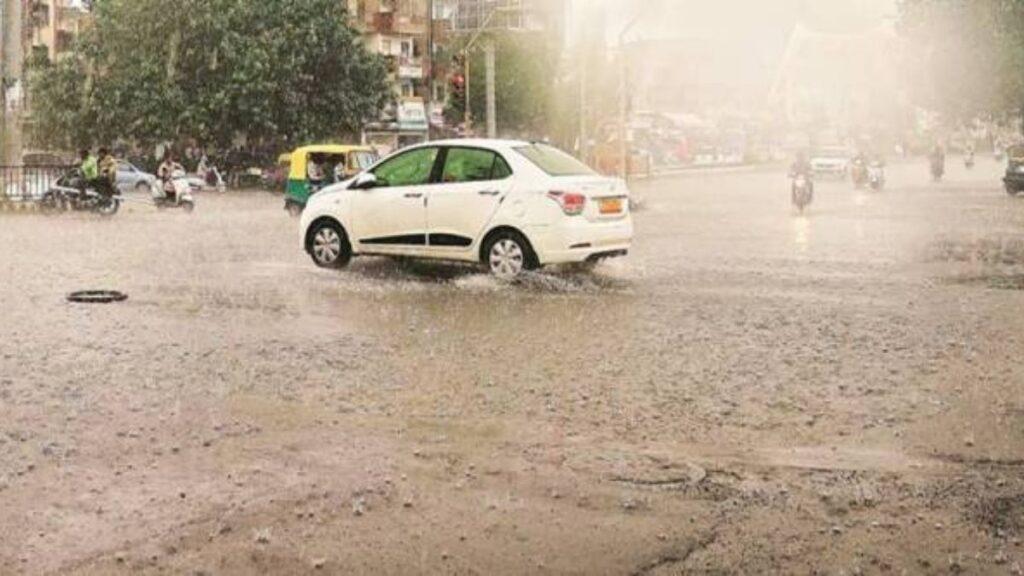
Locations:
{"points": [[478, 142]]}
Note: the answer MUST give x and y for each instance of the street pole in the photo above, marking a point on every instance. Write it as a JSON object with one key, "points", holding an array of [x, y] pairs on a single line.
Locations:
{"points": [[430, 66], [624, 96], [492, 104], [584, 146], [469, 111], [11, 74]]}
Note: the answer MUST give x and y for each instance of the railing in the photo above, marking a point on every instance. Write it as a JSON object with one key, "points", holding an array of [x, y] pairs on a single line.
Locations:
{"points": [[27, 183]]}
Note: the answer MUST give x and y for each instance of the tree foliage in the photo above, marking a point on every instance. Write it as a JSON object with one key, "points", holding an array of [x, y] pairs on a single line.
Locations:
{"points": [[158, 70], [969, 55], [526, 69]]}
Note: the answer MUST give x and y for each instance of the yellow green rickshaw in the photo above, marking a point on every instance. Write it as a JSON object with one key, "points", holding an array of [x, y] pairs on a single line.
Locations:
{"points": [[314, 167]]}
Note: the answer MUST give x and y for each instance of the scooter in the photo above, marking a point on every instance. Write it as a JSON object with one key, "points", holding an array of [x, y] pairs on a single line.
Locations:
{"points": [[175, 193], [803, 192], [876, 176], [72, 193]]}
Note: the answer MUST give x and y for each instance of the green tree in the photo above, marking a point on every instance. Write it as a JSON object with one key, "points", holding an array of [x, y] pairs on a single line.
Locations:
{"points": [[969, 55], [526, 68], [156, 70]]}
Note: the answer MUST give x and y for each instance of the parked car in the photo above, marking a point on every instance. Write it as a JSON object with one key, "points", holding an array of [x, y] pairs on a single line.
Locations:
{"points": [[132, 179], [512, 206], [831, 161]]}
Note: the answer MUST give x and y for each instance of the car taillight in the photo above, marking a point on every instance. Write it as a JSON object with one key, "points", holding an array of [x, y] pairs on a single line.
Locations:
{"points": [[571, 202]]}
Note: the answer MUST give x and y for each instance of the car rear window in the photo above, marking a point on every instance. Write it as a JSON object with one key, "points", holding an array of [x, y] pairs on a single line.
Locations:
{"points": [[553, 161]]}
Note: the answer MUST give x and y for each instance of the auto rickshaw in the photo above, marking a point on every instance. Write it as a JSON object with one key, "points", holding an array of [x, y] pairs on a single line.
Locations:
{"points": [[314, 167]]}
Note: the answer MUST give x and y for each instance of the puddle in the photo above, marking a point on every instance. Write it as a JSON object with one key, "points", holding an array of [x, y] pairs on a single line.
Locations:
{"points": [[1004, 251], [992, 281], [396, 275]]}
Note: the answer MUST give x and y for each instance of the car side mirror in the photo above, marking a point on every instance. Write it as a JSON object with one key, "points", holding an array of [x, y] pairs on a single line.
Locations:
{"points": [[365, 181]]}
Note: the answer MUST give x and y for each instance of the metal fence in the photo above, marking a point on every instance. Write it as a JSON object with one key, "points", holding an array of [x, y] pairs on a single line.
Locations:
{"points": [[27, 183]]}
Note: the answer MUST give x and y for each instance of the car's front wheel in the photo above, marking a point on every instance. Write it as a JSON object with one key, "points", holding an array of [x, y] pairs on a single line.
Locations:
{"points": [[508, 254], [329, 245]]}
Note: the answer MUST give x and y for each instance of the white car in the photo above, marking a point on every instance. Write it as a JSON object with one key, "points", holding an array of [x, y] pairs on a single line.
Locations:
{"points": [[510, 205], [831, 161]]}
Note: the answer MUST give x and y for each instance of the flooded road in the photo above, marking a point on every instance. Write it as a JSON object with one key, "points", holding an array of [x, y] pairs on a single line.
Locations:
{"points": [[750, 391]]}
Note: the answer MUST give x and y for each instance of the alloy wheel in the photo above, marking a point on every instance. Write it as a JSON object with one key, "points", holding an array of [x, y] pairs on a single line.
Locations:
{"points": [[326, 246], [507, 258]]}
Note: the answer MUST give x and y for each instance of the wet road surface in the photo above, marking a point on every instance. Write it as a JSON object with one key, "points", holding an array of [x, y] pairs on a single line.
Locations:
{"points": [[752, 390]]}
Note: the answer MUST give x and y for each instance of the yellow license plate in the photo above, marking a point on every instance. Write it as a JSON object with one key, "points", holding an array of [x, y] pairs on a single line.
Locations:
{"points": [[611, 206]]}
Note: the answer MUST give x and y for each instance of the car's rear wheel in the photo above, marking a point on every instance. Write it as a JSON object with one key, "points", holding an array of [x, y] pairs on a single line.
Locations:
{"points": [[144, 188], [508, 254], [329, 245]]}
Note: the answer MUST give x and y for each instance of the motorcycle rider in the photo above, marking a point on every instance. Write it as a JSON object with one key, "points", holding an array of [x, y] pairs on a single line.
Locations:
{"points": [[801, 167], [108, 173], [90, 169], [166, 174]]}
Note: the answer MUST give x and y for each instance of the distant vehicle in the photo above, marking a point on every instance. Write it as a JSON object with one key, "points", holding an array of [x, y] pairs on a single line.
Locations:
{"points": [[512, 206], [72, 193], [1014, 179], [132, 179], [831, 161], [335, 162], [177, 192], [876, 175]]}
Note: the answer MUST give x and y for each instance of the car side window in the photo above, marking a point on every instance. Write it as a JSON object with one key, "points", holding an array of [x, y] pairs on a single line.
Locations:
{"points": [[412, 168], [501, 169], [473, 165]]}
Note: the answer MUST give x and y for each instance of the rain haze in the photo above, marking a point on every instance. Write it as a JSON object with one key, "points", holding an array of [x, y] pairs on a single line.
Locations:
{"points": [[640, 287]]}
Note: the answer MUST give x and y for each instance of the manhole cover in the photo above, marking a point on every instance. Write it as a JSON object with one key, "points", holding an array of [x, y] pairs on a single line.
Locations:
{"points": [[97, 296]]}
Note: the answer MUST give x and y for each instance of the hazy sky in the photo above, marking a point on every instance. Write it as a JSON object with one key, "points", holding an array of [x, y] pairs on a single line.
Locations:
{"points": [[759, 20]]}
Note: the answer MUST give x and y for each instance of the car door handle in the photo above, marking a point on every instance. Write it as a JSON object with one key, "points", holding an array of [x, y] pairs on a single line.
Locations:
{"points": [[489, 192], [414, 195]]}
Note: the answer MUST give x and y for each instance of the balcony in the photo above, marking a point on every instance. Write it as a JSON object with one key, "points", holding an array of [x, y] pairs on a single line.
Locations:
{"points": [[409, 69]]}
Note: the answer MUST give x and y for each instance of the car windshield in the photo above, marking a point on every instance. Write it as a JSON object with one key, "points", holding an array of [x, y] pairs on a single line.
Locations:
{"points": [[553, 161], [832, 153]]}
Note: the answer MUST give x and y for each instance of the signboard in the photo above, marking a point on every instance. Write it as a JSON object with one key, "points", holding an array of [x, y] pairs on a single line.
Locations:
{"points": [[412, 115]]}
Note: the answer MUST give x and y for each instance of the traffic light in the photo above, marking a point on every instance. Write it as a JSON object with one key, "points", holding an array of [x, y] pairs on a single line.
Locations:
{"points": [[458, 90]]}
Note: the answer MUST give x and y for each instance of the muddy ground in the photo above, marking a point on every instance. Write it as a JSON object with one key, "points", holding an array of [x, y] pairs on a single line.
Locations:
{"points": [[751, 391]]}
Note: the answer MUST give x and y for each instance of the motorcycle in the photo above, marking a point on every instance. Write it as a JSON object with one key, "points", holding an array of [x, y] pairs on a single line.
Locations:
{"points": [[175, 193], [803, 192], [969, 160], [876, 176], [72, 192]]}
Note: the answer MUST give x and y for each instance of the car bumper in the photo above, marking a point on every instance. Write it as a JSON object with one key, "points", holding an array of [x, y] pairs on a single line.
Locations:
{"points": [[582, 241]]}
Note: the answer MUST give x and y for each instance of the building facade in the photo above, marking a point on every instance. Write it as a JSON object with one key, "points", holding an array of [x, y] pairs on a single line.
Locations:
{"points": [[53, 25]]}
